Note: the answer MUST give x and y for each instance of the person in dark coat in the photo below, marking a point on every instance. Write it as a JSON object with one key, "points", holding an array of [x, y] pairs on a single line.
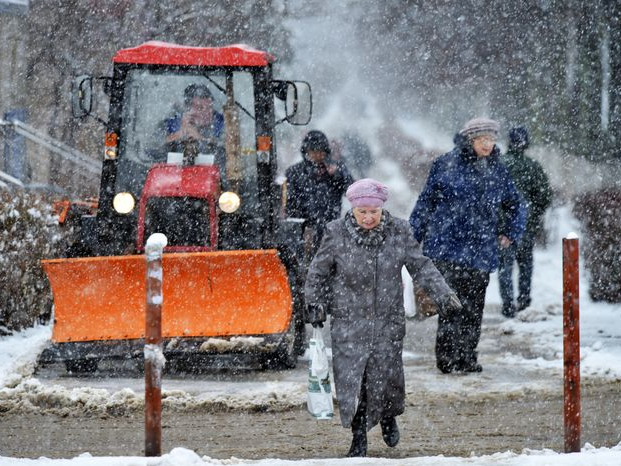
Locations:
{"points": [[534, 185], [360, 261], [315, 187], [456, 218], [357, 153]]}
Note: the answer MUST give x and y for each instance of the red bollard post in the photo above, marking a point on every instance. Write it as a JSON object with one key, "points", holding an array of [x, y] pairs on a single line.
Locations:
{"points": [[571, 344], [153, 356]]}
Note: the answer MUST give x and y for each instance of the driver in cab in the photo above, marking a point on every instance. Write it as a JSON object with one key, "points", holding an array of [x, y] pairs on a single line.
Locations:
{"points": [[199, 121]]}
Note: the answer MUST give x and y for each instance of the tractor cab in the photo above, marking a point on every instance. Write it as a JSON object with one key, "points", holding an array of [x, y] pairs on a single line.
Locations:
{"points": [[192, 106]]}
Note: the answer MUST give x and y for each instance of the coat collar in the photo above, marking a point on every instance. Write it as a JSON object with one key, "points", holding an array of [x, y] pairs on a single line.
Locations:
{"points": [[468, 156]]}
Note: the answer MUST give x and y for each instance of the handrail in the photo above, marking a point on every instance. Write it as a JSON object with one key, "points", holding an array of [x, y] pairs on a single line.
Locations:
{"points": [[6, 177], [60, 148]]}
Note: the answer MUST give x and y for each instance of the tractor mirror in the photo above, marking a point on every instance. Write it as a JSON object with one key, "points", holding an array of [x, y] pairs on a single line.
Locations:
{"points": [[106, 83], [82, 96], [298, 103], [280, 89]]}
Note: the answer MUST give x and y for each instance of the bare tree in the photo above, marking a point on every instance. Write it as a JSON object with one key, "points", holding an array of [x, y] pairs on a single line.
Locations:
{"points": [[63, 38]]}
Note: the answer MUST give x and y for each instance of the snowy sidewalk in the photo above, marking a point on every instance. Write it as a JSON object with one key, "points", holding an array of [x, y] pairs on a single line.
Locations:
{"points": [[521, 355]]}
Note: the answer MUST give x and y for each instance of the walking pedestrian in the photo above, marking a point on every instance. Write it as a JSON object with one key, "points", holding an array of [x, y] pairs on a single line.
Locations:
{"points": [[360, 261], [315, 187], [533, 183], [456, 218]]}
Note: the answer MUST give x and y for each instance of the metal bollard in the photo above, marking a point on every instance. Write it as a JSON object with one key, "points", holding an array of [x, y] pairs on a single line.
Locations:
{"points": [[153, 357], [571, 344]]}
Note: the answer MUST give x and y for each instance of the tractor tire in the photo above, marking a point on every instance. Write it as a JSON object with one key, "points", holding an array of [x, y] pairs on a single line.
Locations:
{"points": [[82, 366], [286, 356]]}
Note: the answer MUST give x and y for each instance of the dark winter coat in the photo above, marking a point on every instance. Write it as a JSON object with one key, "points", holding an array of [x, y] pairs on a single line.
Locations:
{"points": [[315, 195], [534, 185], [368, 319], [456, 217]]}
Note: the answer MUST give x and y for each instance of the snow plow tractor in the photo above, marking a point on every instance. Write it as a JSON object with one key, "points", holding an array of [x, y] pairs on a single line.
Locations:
{"points": [[189, 152]]}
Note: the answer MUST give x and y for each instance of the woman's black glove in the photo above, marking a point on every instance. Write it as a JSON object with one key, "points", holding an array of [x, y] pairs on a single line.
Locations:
{"points": [[315, 314], [449, 304]]}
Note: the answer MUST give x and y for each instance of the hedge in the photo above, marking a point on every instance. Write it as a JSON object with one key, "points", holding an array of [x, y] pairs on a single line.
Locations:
{"points": [[29, 232], [600, 215]]}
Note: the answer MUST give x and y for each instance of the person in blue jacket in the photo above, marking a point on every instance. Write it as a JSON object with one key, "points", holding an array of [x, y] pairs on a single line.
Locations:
{"points": [[456, 218]]}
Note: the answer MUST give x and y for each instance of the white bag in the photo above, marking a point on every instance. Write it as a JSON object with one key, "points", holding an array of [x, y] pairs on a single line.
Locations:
{"points": [[319, 400]]}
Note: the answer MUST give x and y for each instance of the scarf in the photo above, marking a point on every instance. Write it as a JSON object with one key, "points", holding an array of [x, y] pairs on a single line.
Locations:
{"points": [[368, 239]]}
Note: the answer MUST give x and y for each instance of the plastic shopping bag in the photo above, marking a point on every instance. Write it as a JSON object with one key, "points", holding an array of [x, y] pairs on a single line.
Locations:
{"points": [[319, 399]]}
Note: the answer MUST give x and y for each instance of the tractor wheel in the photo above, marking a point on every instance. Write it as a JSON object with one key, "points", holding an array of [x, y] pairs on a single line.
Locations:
{"points": [[82, 366], [285, 356]]}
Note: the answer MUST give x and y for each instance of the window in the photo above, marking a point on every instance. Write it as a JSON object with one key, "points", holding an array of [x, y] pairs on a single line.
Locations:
{"points": [[152, 111]]}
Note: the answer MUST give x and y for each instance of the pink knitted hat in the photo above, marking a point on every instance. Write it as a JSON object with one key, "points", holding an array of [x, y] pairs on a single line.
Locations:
{"points": [[367, 193]]}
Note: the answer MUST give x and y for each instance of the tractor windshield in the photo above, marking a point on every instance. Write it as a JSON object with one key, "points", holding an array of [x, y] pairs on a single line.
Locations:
{"points": [[163, 110]]}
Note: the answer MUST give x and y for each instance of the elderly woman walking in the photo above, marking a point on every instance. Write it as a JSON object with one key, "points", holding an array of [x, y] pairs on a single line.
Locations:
{"points": [[456, 218], [359, 266]]}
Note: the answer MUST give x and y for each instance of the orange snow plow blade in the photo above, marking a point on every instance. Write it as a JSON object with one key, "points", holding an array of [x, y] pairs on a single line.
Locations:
{"points": [[205, 294]]}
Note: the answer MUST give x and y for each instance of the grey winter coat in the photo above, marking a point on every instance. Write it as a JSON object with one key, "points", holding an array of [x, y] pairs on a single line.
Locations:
{"points": [[368, 318]]}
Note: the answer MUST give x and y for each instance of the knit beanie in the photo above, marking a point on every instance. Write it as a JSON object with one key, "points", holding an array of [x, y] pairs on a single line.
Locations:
{"points": [[480, 127], [519, 138], [367, 193]]}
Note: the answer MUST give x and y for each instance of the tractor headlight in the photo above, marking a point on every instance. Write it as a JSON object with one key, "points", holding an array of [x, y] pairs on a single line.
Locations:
{"points": [[123, 203], [229, 202]]}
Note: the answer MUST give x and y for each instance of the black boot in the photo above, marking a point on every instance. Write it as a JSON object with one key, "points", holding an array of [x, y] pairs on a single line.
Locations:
{"points": [[390, 431], [447, 367], [522, 303], [508, 310], [358, 443], [472, 367], [359, 431], [469, 364]]}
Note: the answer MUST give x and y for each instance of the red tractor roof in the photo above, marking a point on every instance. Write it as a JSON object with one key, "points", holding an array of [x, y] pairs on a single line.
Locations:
{"points": [[163, 53]]}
